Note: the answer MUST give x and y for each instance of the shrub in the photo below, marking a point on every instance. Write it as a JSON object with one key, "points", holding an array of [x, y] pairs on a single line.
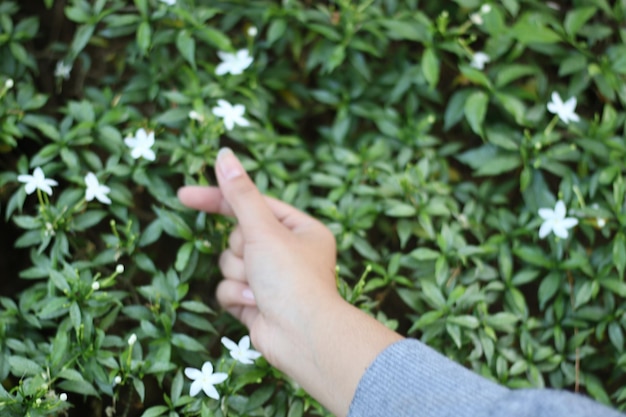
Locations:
{"points": [[433, 138]]}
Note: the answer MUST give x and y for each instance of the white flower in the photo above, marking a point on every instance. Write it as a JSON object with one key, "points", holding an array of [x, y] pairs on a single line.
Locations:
{"points": [[476, 18], [233, 63], [565, 111], [95, 286], [119, 268], [117, 380], [63, 396], [485, 8], [253, 31], [194, 115], [241, 352], [95, 189], [132, 339], [37, 181], [479, 59], [9, 83], [232, 115], [205, 380], [555, 221], [141, 145], [169, 2], [62, 70]]}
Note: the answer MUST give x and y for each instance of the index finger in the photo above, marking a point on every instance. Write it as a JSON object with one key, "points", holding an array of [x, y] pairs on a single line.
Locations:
{"points": [[211, 200]]}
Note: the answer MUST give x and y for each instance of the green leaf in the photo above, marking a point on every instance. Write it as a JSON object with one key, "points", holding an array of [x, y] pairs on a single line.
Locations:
{"points": [[424, 254], [548, 288], [531, 29], [467, 321], [81, 39], [183, 255], [616, 336], [576, 18], [155, 411], [21, 366], [187, 47], [399, 209], [430, 67], [185, 342], [475, 110], [619, 253], [144, 37]]}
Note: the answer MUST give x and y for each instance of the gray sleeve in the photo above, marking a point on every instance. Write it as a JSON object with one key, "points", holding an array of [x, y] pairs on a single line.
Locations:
{"points": [[409, 379]]}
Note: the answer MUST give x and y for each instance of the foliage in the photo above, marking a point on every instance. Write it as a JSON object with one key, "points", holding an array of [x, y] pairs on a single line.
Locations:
{"points": [[371, 115]]}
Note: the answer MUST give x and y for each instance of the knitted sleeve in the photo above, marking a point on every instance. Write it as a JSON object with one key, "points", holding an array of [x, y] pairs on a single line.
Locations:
{"points": [[411, 379]]}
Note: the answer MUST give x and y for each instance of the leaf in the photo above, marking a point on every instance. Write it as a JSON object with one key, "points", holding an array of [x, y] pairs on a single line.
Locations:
{"points": [[21, 366], [576, 18], [81, 39], [185, 342], [475, 110], [424, 254], [156, 411], [187, 47], [430, 67], [548, 288], [399, 209], [467, 321], [619, 253], [531, 29], [144, 35]]}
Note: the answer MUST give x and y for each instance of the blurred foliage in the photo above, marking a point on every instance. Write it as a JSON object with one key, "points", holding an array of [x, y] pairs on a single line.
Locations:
{"points": [[373, 116]]}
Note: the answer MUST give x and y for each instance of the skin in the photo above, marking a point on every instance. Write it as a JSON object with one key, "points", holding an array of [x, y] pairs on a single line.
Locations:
{"points": [[279, 281]]}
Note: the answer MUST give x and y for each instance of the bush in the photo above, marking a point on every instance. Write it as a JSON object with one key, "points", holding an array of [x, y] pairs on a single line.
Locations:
{"points": [[433, 138]]}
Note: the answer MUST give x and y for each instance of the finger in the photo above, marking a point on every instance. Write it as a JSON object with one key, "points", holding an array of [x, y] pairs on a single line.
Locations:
{"points": [[211, 200], [236, 298], [232, 267], [251, 210], [235, 242]]}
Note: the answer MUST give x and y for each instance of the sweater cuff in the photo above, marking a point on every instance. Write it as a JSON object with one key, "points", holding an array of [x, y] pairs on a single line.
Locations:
{"points": [[408, 376]]}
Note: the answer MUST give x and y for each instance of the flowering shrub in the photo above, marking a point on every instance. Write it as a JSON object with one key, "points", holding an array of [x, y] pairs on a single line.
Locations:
{"points": [[468, 157]]}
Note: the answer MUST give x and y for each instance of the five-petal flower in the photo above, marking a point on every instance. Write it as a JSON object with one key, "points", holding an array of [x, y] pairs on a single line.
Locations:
{"points": [[232, 115], [479, 59], [205, 380], [241, 352], [233, 63], [62, 70], [141, 145], [96, 190], [555, 221], [565, 110], [37, 181]]}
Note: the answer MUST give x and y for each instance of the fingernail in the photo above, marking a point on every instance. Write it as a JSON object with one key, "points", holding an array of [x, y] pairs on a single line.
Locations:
{"points": [[228, 164], [248, 294]]}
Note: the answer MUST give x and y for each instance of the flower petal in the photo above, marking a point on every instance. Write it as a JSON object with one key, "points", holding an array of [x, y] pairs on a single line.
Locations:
{"points": [[569, 222], [217, 378], [244, 343], [546, 213], [207, 368], [545, 229], [560, 230], [193, 373], [560, 210], [229, 344], [195, 388], [210, 391]]}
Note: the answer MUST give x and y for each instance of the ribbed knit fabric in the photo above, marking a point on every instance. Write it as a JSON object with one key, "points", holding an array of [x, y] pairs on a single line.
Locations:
{"points": [[409, 379]]}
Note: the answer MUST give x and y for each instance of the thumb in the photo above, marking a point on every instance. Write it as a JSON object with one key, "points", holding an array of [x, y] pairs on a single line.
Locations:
{"points": [[249, 206]]}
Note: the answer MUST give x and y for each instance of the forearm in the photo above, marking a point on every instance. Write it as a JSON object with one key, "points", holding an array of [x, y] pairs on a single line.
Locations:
{"points": [[334, 350]]}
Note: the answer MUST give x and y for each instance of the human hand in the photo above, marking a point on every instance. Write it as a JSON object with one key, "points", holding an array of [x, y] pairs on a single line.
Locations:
{"points": [[279, 280], [279, 268]]}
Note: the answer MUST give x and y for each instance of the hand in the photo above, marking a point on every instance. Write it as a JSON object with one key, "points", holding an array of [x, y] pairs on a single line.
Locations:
{"points": [[279, 281], [280, 262]]}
